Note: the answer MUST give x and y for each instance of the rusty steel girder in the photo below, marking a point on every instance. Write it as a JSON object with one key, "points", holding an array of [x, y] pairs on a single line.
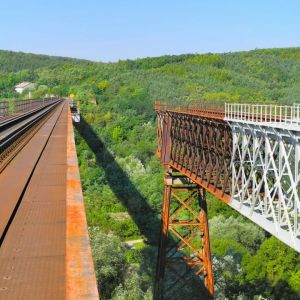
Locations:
{"points": [[199, 147]]}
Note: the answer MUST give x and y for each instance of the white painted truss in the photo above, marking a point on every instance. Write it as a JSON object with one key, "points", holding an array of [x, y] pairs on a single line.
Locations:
{"points": [[266, 177]]}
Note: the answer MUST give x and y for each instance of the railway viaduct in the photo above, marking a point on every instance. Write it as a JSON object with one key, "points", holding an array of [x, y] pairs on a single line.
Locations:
{"points": [[247, 156]]}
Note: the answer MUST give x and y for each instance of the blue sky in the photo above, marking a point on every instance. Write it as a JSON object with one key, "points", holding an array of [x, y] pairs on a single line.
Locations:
{"points": [[119, 29]]}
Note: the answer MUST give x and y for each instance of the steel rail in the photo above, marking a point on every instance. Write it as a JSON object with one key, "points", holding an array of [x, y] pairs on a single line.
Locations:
{"points": [[16, 107], [13, 130], [8, 122], [8, 154]]}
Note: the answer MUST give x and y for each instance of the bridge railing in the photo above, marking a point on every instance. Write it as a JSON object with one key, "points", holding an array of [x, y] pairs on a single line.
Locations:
{"points": [[4, 105], [24, 105], [197, 108], [263, 113], [19, 106]]}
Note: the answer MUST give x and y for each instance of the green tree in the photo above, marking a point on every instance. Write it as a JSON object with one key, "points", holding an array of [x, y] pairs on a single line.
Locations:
{"points": [[109, 260], [236, 229], [277, 265]]}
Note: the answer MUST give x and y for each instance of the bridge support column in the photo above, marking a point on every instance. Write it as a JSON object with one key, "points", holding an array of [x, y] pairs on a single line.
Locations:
{"points": [[184, 266]]}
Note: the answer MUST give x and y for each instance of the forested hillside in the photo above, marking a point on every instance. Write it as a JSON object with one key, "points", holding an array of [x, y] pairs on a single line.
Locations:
{"points": [[122, 179], [15, 61]]}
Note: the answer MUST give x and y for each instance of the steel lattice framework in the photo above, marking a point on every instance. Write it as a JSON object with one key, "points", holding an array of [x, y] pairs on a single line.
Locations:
{"points": [[265, 179], [246, 155], [199, 146], [266, 167], [201, 149], [184, 242]]}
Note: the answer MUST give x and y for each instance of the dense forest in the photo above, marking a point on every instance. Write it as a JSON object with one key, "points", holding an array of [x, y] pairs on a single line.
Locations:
{"points": [[122, 178]]}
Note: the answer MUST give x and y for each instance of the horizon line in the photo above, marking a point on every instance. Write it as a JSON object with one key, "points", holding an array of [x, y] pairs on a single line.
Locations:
{"points": [[144, 57]]}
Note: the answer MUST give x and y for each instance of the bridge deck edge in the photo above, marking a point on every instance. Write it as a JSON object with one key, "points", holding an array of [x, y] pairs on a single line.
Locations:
{"points": [[80, 272]]}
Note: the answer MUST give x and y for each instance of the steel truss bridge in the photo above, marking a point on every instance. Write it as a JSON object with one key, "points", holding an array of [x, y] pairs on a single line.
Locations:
{"points": [[246, 155]]}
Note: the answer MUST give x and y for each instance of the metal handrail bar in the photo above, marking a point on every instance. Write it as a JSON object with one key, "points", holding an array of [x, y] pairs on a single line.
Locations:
{"points": [[263, 113]]}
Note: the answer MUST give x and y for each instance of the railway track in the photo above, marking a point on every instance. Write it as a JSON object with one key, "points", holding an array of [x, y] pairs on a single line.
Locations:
{"points": [[16, 131], [15, 134]]}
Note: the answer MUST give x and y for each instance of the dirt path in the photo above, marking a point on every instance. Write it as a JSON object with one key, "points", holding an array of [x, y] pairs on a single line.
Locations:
{"points": [[134, 241]]}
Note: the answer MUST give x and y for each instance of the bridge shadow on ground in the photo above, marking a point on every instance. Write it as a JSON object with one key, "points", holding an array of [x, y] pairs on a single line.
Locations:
{"points": [[125, 191], [136, 204]]}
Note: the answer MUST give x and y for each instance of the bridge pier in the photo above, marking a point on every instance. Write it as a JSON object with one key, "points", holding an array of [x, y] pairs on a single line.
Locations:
{"points": [[184, 262]]}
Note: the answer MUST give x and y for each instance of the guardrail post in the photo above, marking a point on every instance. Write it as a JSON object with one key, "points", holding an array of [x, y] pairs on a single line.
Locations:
{"points": [[166, 140]]}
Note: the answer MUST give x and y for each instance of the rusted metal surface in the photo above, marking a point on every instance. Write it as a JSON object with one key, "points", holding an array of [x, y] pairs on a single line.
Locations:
{"points": [[195, 141], [35, 193], [214, 110], [32, 253], [15, 176], [12, 150], [198, 147], [80, 274], [13, 129], [184, 248]]}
